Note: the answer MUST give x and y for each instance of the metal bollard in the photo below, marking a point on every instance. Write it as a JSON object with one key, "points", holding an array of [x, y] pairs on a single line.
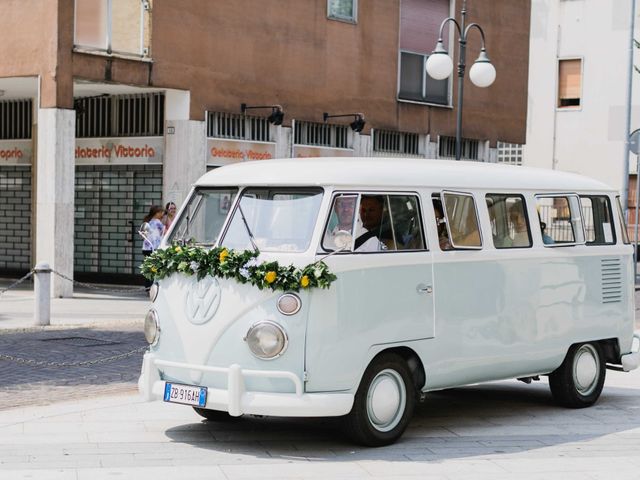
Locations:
{"points": [[42, 294]]}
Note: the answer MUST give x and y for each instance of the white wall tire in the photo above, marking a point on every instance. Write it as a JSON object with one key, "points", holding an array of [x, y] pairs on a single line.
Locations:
{"points": [[578, 382], [384, 402]]}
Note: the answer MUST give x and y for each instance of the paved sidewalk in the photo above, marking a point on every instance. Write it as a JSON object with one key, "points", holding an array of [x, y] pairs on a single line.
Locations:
{"points": [[497, 431], [41, 365], [87, 306]]}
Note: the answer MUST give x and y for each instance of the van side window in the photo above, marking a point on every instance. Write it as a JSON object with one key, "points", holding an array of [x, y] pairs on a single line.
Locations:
{"points": [[407, 227], [560, 219], [374, 223], [598, 221], [509, 222], [462, 220]]}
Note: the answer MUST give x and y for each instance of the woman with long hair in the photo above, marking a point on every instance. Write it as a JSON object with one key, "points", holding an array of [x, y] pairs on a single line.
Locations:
{"points": [[169, 215]]}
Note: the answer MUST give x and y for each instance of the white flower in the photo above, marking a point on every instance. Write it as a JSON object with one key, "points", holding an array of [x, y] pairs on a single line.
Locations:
{"points": [[244, 272], [194, 266], [253, 262]]}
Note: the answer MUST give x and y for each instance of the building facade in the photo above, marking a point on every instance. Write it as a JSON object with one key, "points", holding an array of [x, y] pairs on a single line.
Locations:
{"points": [[110, 106], [578, 95]]}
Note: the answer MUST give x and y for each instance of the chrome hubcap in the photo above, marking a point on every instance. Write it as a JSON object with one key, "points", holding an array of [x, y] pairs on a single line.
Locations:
{"points": [[386, 400], [586, 366]]}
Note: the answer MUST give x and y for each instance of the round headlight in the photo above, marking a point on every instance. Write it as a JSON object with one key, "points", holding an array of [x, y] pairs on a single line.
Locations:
{"points": [[153, 292], [266, 340], [289, 304], [151, 327]]}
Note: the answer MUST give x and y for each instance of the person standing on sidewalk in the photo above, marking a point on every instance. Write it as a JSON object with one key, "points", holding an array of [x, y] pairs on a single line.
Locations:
{"points": [[152, 230], [169, 215]]}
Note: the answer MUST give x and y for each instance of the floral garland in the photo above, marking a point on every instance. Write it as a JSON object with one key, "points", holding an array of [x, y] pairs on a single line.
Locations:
{"points": [[242, 266]]}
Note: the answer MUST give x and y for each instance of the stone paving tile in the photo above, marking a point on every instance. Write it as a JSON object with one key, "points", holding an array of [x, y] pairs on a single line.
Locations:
{"points": [[24, 384]]}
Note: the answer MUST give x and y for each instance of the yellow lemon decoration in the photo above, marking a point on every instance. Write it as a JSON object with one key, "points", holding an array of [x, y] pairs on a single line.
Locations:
{"points": [[223, 255], [270, 277], [154, 269], [178, 249], [304, 281]]}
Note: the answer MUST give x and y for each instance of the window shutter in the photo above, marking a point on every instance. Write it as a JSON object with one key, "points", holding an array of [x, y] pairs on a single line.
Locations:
{"points": [[570, 79]]}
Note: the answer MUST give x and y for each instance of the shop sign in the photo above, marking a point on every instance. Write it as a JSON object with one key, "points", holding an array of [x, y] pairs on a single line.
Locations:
{"points": [[119, 150], [16, 152], [224, 152], [304, 151]]}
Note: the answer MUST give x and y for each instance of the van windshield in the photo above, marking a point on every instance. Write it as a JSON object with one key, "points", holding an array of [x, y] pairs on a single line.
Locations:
{"points": [[278, 219], [202, 218]]}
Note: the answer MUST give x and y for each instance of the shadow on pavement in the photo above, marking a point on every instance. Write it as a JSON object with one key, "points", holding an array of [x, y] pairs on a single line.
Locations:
{"points": [[482, 420]]}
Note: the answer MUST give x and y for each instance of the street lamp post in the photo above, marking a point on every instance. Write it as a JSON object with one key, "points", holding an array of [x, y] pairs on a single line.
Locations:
{"points": [[440, 66]]}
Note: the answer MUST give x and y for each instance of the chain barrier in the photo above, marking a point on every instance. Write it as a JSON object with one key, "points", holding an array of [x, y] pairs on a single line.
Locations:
{"points": [[17, 282], [121, 291], [84, 363]]}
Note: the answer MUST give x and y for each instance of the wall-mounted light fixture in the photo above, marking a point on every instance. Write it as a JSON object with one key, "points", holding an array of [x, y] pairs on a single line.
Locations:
{"points": [[358, 120], [277, 112]]}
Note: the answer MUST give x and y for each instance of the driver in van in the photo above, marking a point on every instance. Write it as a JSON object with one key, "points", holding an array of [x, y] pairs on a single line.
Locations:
{"points": [[371, 212]]}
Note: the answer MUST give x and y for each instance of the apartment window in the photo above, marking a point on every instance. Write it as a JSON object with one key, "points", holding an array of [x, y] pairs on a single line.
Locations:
{"points": [[138, 115], [15, 119], [569, 83], [469, 148], [386, 141], [345, 10], [238, 127], [417, 85], [113, 26], [419, 30], [510, 153], [321, 135]]}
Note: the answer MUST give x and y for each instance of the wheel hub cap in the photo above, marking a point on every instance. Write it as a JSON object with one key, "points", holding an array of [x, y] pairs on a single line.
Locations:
{"points": [[585, 369], [386, 400]]}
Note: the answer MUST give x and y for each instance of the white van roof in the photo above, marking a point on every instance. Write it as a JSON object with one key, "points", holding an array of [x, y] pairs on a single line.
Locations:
{"points": [[393, 173]]}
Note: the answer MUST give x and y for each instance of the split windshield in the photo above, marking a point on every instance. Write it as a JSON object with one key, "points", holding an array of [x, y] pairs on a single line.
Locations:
{"points": [[271, 219]]}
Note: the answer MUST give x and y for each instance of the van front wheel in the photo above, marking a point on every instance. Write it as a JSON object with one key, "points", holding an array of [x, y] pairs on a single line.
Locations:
{"points": [[578, 382], [384, 402]]}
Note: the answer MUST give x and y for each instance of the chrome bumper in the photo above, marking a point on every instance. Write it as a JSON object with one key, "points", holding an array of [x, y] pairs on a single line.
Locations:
{"points": [[631, 361], [237, 401]]}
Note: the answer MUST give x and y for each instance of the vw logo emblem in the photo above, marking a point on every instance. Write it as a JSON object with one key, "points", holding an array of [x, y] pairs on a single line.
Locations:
{"points": [[203, 300]]}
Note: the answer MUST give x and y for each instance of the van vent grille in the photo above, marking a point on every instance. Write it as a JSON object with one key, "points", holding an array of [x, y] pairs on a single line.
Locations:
{"points": [[611, 280]]}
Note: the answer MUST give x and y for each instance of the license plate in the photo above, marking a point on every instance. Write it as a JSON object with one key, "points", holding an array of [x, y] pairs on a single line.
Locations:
{"points": [[185, 394]]}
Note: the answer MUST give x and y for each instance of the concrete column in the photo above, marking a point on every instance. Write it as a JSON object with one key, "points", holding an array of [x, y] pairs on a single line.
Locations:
{"points": [[362, 145], [284, 141], [185, 158], [55, 177]]}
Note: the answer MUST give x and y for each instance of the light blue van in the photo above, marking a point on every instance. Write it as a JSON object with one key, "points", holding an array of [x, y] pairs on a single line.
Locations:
{"points": [[353, 287]]}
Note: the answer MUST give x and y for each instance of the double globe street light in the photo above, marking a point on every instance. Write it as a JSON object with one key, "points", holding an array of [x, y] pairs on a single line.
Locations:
{"points": [[440, 66]]}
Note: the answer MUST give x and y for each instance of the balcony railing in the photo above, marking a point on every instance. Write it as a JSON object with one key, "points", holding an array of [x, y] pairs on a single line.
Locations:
{"points": [[120, 27]]}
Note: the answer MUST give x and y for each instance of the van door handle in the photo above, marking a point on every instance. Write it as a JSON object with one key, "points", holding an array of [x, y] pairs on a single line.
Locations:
{"points": [[422, 288]]}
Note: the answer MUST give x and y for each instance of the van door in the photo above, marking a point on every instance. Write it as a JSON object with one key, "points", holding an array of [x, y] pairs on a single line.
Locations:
{"points": [[383, 294]]}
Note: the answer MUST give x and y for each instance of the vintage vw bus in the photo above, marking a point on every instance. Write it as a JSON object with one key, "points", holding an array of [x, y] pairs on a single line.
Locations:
{"points": [[352, 287]]}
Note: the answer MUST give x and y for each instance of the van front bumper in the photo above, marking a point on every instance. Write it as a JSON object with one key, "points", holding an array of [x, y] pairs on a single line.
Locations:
{"points": [[237, 401]]}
